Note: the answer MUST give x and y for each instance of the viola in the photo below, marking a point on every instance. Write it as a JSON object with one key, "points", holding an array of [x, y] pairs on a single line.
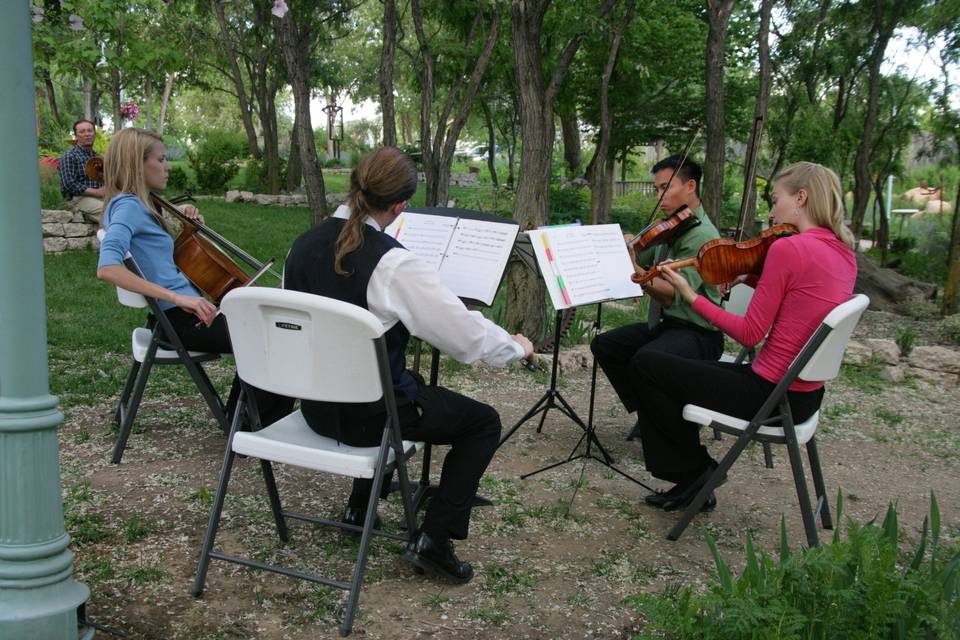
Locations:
{"points": [[200, 257], [666, 229], [724, 259]]}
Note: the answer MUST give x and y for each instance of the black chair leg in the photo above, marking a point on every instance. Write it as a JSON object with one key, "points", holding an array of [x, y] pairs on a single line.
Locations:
{"points": [[267, 468], [357, 581], [130, 414], [214, 522], [803, 495], [125, 394], [823, 500], [767, 455]]}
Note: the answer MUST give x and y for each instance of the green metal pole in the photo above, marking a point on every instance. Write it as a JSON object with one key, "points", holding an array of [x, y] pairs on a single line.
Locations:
{"points": [[38, 597]]}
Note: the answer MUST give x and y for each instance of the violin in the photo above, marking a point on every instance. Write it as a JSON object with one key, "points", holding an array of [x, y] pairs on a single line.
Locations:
{"points": [[664, 230], [201, 260], [723, 259]]}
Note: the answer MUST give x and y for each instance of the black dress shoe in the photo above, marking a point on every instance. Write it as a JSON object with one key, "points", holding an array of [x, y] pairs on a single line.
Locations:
{"points": [[661, 498], [709, 505], [356, 517], [634, 431], [436, 556], [682, 499]]}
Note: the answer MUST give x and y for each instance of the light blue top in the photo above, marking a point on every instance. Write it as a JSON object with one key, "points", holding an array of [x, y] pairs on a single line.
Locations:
{"points": [[132, 228]]}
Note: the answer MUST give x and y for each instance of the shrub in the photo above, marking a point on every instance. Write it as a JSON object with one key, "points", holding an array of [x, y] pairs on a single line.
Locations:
{"points": [[179, 181], [902, 244], [568, 204], [215, 159], [861, 587], [254, 176], [920, 308], [50, 196], [951, 328], [905, 340]]}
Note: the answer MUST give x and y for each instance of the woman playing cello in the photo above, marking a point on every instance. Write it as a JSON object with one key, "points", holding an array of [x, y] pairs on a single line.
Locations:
{"points": [[804, 277]]}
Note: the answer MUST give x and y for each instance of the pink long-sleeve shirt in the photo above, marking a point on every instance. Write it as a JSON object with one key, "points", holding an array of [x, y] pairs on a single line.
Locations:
{"points": [[804, 277]]}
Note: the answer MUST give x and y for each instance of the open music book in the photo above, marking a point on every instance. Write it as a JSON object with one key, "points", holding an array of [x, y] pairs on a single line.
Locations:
{"points": [[584, 264], [469, 255]]}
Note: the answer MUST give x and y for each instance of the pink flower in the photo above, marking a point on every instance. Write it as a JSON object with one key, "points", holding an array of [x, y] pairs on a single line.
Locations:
{"points": [[130, 110], [279, 8]]}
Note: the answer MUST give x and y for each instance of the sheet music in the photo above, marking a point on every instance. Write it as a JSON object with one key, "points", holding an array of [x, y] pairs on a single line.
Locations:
{"points": [[469, 255], [425, 235], [578, 264], [476, 257], [614, 259], [584, 264]]}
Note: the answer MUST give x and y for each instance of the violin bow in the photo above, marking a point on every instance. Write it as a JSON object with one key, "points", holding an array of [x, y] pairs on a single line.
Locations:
{"points": [[750, 177]]}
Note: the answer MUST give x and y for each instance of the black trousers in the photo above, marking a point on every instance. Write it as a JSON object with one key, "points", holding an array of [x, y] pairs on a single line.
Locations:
{"points": [[671, 445], [436, 416], [216, 339], [616, 352]]}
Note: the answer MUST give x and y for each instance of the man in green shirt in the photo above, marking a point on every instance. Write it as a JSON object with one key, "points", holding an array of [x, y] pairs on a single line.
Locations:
{"points": [[678, 330]]}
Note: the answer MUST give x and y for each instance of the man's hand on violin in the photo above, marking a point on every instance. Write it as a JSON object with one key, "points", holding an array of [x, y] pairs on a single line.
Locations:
{"points": [[200, 307], [725, 288], [193, 213], [678, 282]]}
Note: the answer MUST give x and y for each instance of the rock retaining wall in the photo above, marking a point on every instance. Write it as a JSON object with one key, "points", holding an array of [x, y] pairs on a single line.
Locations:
{"points": [[934, 365], [66, 230]]}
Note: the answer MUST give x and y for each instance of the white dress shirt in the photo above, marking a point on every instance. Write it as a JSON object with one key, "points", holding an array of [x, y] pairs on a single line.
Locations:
{"points": [[404, 289]]}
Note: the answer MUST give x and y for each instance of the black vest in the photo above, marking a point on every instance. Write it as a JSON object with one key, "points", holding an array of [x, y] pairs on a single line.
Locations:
{"points": [[309, 268]]}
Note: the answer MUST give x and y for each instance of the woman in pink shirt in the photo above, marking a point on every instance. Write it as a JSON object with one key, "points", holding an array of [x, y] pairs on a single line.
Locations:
{"points": [[804, 277]]}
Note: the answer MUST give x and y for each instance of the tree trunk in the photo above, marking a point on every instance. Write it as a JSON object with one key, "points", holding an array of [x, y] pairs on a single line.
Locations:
{"points": [[148, 103], [491, 143], [294, 175], [718, 12], [115, 96], [748, 214], [87, 99], [51, 94], [861, 164], [295, 54], [601, 174], [570, 132], [883, 238], [951, 291], [387, 55], [246, 110], [165, 101]]}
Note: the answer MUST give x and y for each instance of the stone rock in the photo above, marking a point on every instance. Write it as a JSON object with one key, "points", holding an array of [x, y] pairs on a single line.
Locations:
{"points": [[336, 199], [934, 378], [56, 215], [78, 217], [857, 353], [299, 199], [78, 243], [885, 351], [574, 358], [77, 230], [892, 373], [54, 245], [246, 196], [935, 359], [52, 229], [938, 206], [265, 199], [232, 196]]}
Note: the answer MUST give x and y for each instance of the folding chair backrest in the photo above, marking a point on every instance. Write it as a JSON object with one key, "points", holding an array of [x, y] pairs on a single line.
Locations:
{"points": [[304, 346], [739, 300], [126, 298], [839, 324]]}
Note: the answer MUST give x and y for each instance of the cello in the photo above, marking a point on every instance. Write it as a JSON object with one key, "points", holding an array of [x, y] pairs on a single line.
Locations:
{"points": [[200, 258]]}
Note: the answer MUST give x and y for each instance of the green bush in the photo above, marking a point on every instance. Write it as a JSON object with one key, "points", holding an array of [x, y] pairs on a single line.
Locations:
{"points": [[902, 244], [179, 181], [860, 587], [215, 159], [253, 177], [951, 328], [50, 196], [906, 338], [568, 203]]}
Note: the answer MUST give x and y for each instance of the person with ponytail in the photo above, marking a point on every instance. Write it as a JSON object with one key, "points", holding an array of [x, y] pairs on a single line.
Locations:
{"points": [[348, 257], [804, 277]]}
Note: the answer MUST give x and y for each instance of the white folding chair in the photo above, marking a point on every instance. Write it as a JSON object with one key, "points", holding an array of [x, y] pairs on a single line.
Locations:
{"points": [[156, 343], [819, 360], [314, 348]]}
